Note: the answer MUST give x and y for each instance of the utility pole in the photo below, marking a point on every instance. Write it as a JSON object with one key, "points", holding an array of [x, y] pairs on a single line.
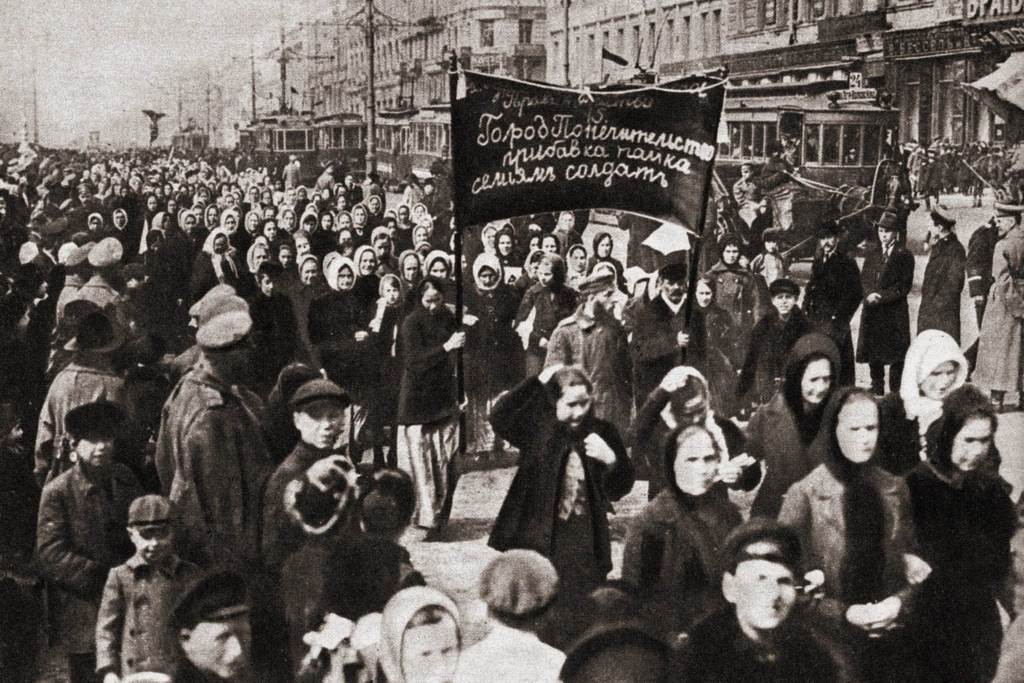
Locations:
{"points": [[252, 82], [207, 104], [371, 95], [35, 105], [283, 61], [565, 51], [179, 106]]}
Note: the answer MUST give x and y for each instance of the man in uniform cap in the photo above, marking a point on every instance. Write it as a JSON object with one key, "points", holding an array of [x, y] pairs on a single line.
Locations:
{"points": [[76, 272], [133, 629], [518, 587], [81, 531], [319, 415], [213, 630], [211, 457], [199, 313], [89, 377], [943, 276], [886, 280], [594, 340], [105, 260], [763, 636], [833, 294]]}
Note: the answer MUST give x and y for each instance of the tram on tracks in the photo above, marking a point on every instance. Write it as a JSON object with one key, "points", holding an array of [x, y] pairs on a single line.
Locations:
{"points": [[413, 141], [190, 141]]}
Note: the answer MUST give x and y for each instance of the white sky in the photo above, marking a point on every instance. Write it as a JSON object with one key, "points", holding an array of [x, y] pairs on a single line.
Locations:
{"points": [[100, 62]]}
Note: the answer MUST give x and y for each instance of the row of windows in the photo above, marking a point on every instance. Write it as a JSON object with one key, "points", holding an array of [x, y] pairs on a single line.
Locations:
{"points": [[756, 15], [828, 144], [415, 138], [487, 32]]}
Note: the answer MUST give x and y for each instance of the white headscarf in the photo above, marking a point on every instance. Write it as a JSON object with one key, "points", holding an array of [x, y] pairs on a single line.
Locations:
{"points": [[709, 421], [929, 350], [487, 261]]}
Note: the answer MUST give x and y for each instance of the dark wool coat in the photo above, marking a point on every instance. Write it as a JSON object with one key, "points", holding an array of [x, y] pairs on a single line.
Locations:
{"points": [[963, 532], [275, 334], [82, 535], [654, 344], [493, 356], [334, 319], [672, 556], [885, 326], [940, 291], [553, 306], [741, 294], [833, 294], [765, 361], [719, 652], [525, 417], [981, 249], [427, 392]]}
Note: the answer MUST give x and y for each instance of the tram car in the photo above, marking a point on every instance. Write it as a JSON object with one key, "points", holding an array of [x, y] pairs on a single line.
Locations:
{"points": [[341, 139], [413, 141], [275, 139], [191, 141]]}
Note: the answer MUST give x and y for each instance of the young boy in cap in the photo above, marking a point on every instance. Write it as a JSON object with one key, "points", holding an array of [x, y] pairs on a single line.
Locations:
{"points": [[518, 586], [132, 633], [211, 626], [763, 636], [770, 264], [770, 341], [81, 534]]}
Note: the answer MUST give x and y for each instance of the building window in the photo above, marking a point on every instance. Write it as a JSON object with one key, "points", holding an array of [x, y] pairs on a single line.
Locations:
{"points": [[620, 43], [487, 33], [525, 31], [652, 42], [684, 37], [769, 13], [715, 45], [635, 51], [670, 38]]}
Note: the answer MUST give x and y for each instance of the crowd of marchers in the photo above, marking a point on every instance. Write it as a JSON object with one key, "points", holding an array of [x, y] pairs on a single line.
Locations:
{"points": [[229, 401]]}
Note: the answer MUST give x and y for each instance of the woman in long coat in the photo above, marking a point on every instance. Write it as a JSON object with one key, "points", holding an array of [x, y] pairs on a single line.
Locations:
{"points": [[963, 519], [427, 402], [1001, 339], [571, 466]]}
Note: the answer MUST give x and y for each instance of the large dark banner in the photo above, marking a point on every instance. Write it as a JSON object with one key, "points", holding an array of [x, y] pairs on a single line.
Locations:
{"points": [[522, 148]]}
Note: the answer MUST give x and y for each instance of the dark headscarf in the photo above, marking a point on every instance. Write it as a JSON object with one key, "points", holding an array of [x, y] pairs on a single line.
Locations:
{"points": [[807, 349]]}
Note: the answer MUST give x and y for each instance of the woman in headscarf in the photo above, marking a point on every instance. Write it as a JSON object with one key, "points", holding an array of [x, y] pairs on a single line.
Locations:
{"points": [[576, 259], [242, 239], [309, 286], [565, 230], [387, 317], [343, 221], [528, 277], [286, 220], [211, 217], [403, 228], [427, 405], [339, 332], [855, 526], [673, 546], [119, 219], [933, 368], [258, 254], [346, 243], [374, 211], [367, 285], [545, 304], [508, 252], [310, 220], [572, 465], [489, 239], [410, 272], [741, 293], [601, 252], [964, 520], [420, 214], [360, 224], [217, 264], [323, 240], [420, 638], [438, 264], [493, 352], [421, 240], [781, 432]]}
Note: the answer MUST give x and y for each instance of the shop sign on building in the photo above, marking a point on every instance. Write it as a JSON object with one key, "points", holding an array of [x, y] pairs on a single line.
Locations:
{"points": [[993, 10]]}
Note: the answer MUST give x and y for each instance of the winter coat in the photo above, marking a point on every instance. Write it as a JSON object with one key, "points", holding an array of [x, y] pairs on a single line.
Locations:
{"points": [[81, 535], [213, 462], [493, 356], [654, 344], [773, 436], [833, 294], [981, 249], [743, 295], [552, 307], [718, 652], [525, 417], [885, 326], [813, 507], [673, 554], [334, 320], [275, 334], [963, 530], [133, 627], [427, 392], [1001, 340], [599, 346], [940, 291], [899, 437], [765, 362]]}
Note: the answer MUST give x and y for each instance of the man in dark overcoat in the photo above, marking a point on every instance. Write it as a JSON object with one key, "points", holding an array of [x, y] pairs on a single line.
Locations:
{"points": [[887, 277], [943, 277], [833, 295], [981, 249]]}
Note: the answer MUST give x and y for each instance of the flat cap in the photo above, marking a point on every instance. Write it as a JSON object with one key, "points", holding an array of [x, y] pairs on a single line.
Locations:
{"points": [[614, 652], [673, 272], [65, 251], [214, 597], [761, 539], [99, 419], [27, 253], [783, 285], [149, 510], [80, 255], [227, 323], [597, 281], [941, 215], [519, 583], [318, 389], [200, 308], [107, 252]]}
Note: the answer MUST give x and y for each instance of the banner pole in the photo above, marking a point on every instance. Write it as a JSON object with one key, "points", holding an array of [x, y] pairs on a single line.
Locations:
{"points": [[460, 376], [698, 245]]}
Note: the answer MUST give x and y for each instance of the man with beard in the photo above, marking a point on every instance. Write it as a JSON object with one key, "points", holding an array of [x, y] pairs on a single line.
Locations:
{"points": [[595, 341], [833, 295], [210, 453], [764, 636]]}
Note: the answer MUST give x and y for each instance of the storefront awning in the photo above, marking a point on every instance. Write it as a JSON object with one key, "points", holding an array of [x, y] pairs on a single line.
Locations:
{"points": [[1002, 91]]}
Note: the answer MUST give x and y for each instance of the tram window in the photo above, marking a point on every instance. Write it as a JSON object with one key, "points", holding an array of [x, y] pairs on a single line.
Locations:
{"points": [[851, 145], [748, 148], [758, 141], [770, 134], [735, 143], [830, 144], [791, 122], [812, 143], [872, 138], [294, 139]]}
